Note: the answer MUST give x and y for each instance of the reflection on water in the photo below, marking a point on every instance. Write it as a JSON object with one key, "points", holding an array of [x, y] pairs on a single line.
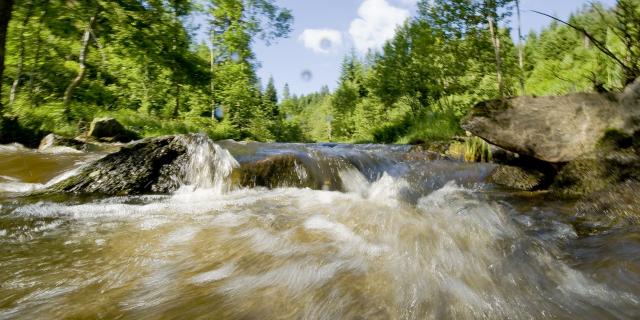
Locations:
{"points": [[408, 239]]}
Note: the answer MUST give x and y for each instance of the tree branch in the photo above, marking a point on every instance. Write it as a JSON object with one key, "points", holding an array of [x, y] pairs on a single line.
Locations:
{"points": [[601, 46]]}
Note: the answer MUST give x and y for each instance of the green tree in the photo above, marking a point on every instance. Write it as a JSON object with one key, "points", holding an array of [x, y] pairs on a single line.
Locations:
{"points": [[270, 100], [351, 89], [627, 28], [471, 20], [6, 8], [235, 24]]}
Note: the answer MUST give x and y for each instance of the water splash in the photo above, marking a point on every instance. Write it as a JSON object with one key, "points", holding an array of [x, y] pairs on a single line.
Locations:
{"points": [[298, 253], [208, 166]]}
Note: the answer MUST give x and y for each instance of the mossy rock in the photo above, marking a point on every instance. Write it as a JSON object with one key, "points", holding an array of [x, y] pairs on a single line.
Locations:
{"points": [[598, 172], [274, 172], [110, 130], [148, 166], [615, 140], [518, 178], [280, 171], [617, 205]]}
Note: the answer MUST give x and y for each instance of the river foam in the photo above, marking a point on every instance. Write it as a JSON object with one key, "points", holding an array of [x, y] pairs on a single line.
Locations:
{"points": [[374, 251]]}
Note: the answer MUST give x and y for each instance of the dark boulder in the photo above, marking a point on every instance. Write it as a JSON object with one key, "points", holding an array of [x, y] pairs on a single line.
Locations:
{"points": [[147, 166], [110, 130], [274, 172], [292, 170], [12, 130]]}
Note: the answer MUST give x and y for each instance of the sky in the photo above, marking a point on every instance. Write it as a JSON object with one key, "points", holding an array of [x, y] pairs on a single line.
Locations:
{"points": [[324, 31]]}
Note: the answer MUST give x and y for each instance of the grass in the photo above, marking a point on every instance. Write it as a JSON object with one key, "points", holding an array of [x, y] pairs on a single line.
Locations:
{"points": [[473, 149], [54, 117], [428, 127]]}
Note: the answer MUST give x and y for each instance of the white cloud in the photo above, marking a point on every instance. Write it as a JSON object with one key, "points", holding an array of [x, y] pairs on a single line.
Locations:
{"points": [[376, 24], [321, 40]]}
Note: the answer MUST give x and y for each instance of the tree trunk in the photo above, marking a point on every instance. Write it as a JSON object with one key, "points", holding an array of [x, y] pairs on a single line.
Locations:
{"points": [[495, 39], [103, 55], [68, 94], [6, 7], [211, 65], [36, 56], [520, 51], [176, 109], [16, 81]]}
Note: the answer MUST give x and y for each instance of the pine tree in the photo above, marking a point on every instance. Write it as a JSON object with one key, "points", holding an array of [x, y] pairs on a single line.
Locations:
{"points": [[270, 100]]}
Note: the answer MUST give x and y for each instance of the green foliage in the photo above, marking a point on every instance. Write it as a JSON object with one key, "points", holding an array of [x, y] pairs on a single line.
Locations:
{"points": [[431, 126], [424, 80], [142, 67]]}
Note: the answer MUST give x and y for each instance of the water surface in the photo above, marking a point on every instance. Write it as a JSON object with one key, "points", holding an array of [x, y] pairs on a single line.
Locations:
{"points": [[405, 238]]}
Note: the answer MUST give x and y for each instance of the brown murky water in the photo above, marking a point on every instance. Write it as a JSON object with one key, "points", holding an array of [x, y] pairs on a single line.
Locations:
{"points": [[408, 239]]}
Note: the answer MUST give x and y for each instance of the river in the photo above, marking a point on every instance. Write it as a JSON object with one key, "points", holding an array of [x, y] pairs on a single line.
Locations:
{"points": [[405, 236]]}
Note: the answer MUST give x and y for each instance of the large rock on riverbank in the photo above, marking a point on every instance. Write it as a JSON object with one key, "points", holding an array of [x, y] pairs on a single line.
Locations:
{"points": [[110, 130], [555, 129], [52, 141], [586, 145]]}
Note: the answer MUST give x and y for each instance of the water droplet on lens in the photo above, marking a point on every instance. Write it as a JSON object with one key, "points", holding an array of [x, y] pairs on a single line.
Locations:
{"points": [[306, 75], [326, 44]]}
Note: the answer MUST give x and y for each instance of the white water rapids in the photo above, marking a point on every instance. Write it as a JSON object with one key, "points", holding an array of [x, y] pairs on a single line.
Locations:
{"points": [[394, 245]]}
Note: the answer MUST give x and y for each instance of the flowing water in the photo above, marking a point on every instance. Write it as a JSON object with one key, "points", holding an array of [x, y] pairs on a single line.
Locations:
{"points": [[404, 237]]}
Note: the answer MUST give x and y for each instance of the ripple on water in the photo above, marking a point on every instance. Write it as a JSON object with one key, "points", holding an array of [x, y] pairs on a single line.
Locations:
{"points": [[370, 252]]}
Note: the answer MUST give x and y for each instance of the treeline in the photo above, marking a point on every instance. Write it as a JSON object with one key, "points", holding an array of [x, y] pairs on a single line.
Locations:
{"points": [[70, 61], [456, 53]]}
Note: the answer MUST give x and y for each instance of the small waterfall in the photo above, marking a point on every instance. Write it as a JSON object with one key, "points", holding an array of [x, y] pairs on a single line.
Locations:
{"points": [[207, 166]]}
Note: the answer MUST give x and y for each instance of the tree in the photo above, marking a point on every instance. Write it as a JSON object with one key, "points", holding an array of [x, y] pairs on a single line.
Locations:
{"points": [[82, 58], [627, 28], [489, 9], [520, 50], [351, 89], [6, 7], [21, 54], [286, 92], [270, 100], [470, 20], [236, 23]]}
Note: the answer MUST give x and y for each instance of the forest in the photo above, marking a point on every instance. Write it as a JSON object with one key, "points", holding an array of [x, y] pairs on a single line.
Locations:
{"points": [[67, 62]]}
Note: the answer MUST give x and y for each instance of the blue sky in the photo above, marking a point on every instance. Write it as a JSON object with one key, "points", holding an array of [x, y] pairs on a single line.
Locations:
{"points": [[326, 30]]}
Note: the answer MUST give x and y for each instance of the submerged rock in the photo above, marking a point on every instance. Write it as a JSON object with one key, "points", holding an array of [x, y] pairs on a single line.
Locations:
{"points": [[274, 172], [110, 130], [555, 129], [147, 166], [53, 140], [617, 205], [518, 178], [602, 171]]}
